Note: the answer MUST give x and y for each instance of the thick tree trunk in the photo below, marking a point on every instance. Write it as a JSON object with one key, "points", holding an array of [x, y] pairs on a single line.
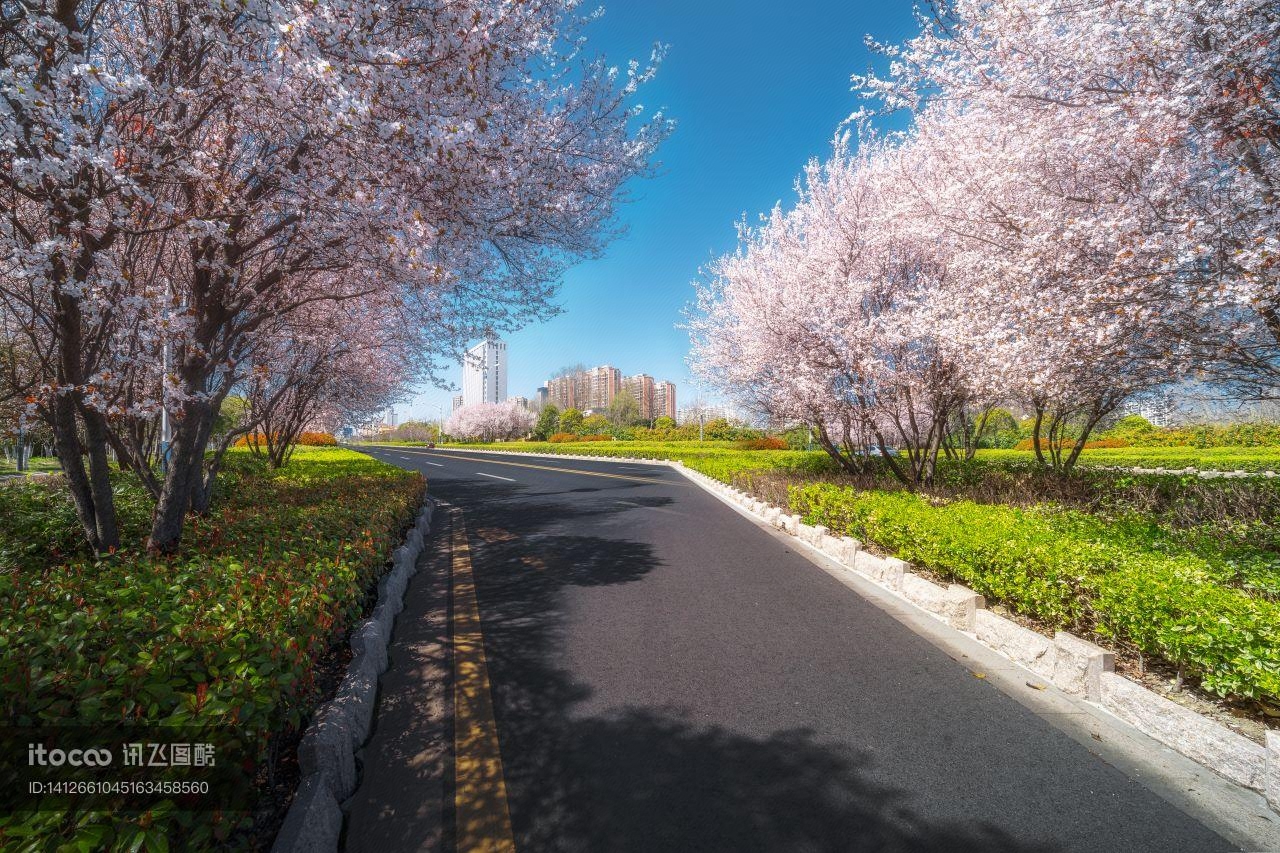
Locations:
{"points": [[184, 481], [175, 493], [971, 447], [1035, 436], [1099, 413], [100, 481], [67, 446], [892, 463], [929, 463], [825, 442]]}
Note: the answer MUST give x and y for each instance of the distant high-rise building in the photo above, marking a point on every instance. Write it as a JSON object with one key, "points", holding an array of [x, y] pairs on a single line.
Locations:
{"points": [[592, 389], [605, 384], [458, 401], [522, 402], [1160, 409], [484, 373], [560, 392], [640, 387], [544, 396], [664, 400]]}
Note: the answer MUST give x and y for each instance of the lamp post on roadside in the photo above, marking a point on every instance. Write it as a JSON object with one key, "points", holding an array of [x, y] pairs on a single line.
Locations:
{"points": [[22, 448], [166, 428]]}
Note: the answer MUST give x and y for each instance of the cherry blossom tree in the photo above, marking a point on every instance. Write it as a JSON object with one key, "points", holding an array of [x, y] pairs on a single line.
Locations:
{"points": [[1037, 308], [1159, 122], [329, 364], [490, 422], [181, 178], [820, 317]]}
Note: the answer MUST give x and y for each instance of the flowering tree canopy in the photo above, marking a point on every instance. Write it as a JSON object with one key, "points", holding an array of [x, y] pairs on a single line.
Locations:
{"points": [[178, 180], [490, 422], [1083, 208]]}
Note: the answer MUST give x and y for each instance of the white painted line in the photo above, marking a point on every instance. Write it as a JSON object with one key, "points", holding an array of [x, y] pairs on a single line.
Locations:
{"points": [[495, 476], [425, 462]]}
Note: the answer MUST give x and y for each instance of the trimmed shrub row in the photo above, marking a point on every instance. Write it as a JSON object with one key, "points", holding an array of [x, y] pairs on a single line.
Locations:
{"points": [[1074, 571]]}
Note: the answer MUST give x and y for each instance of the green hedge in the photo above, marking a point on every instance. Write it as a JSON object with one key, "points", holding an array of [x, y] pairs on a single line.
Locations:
{"points": [[1075, 571], [1205, 458], [227, 632]]}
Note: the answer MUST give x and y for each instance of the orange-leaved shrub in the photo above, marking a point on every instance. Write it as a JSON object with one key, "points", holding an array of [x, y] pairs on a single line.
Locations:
{"points": [[306, 439]]}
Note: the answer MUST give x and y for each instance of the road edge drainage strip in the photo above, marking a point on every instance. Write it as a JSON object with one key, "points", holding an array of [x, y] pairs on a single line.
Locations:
{"points": [[339, 727]]}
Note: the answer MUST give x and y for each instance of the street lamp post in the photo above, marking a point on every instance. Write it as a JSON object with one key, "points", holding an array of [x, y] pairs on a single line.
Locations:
{"points": [[166, 428], [22, 448]]}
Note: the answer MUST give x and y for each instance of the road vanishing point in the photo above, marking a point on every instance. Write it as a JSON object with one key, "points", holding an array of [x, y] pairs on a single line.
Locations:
{"points": [[602, 656]]}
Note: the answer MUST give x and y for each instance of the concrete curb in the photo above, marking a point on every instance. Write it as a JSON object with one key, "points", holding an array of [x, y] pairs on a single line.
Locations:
{"points": [[1075, 666], [339, 727]]}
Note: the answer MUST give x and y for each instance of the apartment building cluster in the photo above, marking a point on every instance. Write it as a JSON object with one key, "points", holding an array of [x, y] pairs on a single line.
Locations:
{"points": [[484, 380], [596, 388]]}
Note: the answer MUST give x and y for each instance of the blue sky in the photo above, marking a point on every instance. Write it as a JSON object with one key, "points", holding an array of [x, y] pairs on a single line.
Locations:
{"points": [[756, 88]]}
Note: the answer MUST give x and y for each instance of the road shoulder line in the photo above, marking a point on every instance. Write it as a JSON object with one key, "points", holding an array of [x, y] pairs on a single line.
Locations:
{"points": [[481, 815]]}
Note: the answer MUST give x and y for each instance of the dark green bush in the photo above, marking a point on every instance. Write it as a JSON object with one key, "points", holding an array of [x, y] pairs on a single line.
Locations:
{"points": [[228, 632]]}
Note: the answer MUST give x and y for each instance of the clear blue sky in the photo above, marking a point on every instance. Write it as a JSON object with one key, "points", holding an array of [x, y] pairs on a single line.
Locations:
{"points": [[756, 88]]}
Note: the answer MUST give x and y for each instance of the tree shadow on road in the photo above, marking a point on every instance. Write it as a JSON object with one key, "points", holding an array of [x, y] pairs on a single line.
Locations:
{"points": [[647, 778]]}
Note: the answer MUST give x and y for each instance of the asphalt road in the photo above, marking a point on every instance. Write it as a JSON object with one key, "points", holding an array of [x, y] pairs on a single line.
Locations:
{"points": [[665, 675]]}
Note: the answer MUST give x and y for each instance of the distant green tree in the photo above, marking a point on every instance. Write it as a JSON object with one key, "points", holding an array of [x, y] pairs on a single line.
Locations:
{"points": [[664, 422], [571, 421], [624, 411], [594, 425], [1000, 430], [719, 429], [548, 422], [415, 431], [1130, 427], [798, 437]]}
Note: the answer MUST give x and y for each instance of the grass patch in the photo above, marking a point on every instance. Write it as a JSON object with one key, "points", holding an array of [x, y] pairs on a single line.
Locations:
{"points": [[225, 633], [35, 465]]}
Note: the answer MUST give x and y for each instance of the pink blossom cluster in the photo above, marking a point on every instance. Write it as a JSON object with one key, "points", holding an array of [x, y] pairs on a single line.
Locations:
{"points": [[1084, 208], [210, 200], [489, 422]]}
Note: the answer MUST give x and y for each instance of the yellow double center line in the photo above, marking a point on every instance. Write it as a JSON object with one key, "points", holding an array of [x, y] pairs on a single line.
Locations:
{"points": [[481, 815]]}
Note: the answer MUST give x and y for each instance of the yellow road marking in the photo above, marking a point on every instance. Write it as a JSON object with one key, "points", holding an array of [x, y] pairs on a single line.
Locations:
{"points": [[480, 791], [562, 470], [534, 562]]}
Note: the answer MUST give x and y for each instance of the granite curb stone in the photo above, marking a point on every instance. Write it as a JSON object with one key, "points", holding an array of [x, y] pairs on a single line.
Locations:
{"points": [[339, 727]]}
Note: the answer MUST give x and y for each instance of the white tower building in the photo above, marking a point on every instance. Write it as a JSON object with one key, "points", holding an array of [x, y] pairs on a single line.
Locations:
{"points": [[484, 373]]}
